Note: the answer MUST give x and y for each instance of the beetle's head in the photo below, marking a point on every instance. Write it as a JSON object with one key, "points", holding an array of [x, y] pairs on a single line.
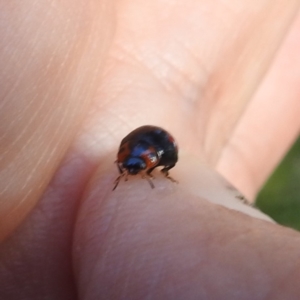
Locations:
{"points": [[134, 165]]}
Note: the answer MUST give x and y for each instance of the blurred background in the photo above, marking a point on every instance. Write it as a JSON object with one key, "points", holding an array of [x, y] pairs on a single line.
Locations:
{"points": [[280, 197]]}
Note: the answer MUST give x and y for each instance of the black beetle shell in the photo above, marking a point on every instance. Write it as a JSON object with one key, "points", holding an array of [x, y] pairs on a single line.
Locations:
{"points": [[158, 138], [144, 149]]}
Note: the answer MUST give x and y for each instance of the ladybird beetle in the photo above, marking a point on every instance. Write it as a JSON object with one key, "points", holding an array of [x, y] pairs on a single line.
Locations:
{"points": [[144, 149]]}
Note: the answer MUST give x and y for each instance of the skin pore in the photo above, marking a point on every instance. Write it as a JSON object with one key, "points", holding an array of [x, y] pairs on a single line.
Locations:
{"points": [[222, 77]]}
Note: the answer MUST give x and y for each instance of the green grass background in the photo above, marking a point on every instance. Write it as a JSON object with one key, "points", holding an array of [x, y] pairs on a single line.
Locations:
{"points": [[280, 197]]}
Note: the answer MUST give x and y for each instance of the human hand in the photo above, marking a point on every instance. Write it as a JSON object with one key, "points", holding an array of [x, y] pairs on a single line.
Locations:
{"points": [[78, 77]]}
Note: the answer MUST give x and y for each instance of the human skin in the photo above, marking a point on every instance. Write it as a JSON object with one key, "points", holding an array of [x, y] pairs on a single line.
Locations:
{"points": [[77, 76]]}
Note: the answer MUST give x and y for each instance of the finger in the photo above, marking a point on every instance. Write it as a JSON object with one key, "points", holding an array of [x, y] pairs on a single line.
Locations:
{"points": [[35, 261], [270, 124], [171, 243], [191, 75], [45, 95]]}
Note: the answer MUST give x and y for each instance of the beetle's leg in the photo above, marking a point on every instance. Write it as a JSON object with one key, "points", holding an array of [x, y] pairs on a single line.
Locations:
{"points": [[119, 178], [119, 168], [117, 181], [149, 172], [165, 171], [148, 179]]}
